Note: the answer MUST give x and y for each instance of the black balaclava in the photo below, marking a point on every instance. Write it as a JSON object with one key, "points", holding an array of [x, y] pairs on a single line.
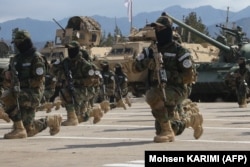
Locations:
{"points": [[118, 70], [105, 67], [73, 52], [24, 45], [242, 64], [164, 36]]}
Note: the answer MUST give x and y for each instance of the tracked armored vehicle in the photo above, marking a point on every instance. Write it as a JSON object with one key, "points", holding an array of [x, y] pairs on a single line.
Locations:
{"points": [[211, 85]]}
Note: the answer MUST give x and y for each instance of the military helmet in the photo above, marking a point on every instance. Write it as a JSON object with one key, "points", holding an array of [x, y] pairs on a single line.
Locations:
{"points": [[21, 35]]}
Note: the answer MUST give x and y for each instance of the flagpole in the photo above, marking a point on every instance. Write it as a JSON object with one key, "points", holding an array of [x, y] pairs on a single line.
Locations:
{"points": [[131, 23]]}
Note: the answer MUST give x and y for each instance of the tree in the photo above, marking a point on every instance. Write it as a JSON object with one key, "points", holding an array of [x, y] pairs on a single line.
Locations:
{"points": [[112, 39], [197, 24]]}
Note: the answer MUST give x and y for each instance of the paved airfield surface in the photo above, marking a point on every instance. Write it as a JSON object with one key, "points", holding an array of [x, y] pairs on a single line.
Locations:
{"points": [[121, 138]]}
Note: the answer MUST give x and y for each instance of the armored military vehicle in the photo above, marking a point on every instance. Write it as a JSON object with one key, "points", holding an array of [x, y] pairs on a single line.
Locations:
{"points": [[125, 53], [83, 29], [5, 51], [211, 85], [4, 55]]}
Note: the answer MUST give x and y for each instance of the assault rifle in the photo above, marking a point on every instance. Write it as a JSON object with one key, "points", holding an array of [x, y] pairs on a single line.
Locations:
{"points": [[118, 87], [15, 82], [161, 72], [69, 79]]}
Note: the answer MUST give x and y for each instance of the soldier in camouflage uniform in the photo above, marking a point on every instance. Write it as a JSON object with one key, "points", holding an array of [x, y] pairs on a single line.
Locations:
{"points": [[77, 80], [94, 94], [242, 81], [107, 90], [172, 70], [26, 75], [239, 80], [49, 91], [121, 87], [3, 114]]}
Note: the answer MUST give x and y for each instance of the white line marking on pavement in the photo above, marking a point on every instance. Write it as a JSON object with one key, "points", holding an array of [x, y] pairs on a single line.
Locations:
{"points": [[132, 139], [142, 126], [138, 163]]}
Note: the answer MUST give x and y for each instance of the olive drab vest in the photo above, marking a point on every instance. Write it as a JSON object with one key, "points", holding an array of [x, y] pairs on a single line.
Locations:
{"points": [[31, 69], [179, 64], [81, 72]]}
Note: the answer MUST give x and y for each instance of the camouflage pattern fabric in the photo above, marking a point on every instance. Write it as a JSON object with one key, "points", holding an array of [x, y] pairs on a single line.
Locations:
{"points": [[84, 80], [31, 70], [181, 73]]}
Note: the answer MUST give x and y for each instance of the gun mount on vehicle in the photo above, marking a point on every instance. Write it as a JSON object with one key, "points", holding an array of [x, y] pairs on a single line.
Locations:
{"points": [[211, 84], [83, 29]]}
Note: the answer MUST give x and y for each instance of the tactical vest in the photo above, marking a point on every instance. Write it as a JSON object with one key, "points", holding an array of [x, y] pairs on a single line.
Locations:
{"points": [[24, 65]]}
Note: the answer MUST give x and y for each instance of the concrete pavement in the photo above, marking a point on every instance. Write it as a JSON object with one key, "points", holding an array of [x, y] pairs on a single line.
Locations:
{"points": [[122, 137]]}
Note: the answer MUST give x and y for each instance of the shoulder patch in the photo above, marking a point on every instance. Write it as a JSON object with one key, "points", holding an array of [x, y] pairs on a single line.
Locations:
{"points": [[187, 63], [39, 71]]}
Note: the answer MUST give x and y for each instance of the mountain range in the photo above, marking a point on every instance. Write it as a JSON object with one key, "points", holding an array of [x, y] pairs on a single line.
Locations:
{"points": [[42, 31]]}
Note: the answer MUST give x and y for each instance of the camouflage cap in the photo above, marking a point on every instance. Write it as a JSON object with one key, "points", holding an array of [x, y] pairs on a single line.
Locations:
{"points": [[242, 58], [162, 21], [118, 65], [21, 35], [73, 44], [105, 63]]}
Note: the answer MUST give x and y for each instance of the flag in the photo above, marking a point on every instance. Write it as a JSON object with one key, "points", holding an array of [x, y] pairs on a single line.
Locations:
{"points": [[128, 5]]}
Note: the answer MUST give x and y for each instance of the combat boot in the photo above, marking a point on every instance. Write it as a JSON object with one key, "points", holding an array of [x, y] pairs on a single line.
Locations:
{"points": [[57, 104], [243, 106], [97, 114], [71, 119], [112, 106], [166, 133], [195, 121], [127, 100], [48, 106], [4, 115], [18, 131], [105, 106], [54, 123], [120, 103]]}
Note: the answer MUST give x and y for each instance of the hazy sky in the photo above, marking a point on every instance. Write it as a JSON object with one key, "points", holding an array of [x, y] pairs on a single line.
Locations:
{"points": [[59, 9]]}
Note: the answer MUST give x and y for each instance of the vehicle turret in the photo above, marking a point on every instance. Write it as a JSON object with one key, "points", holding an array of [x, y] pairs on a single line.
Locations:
{"points": [[230, 53], [83, 29], [211, 85]]}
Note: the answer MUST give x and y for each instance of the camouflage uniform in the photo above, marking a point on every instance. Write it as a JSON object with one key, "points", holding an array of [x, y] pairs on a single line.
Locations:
{"points": [[27, 70], [107, 90], [121, 88], [50, 85], [239, 80], [170, 79], [77, 77]]}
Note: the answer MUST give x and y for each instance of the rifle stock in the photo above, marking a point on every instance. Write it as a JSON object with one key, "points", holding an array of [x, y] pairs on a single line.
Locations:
{"points": [[69, 78]]}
